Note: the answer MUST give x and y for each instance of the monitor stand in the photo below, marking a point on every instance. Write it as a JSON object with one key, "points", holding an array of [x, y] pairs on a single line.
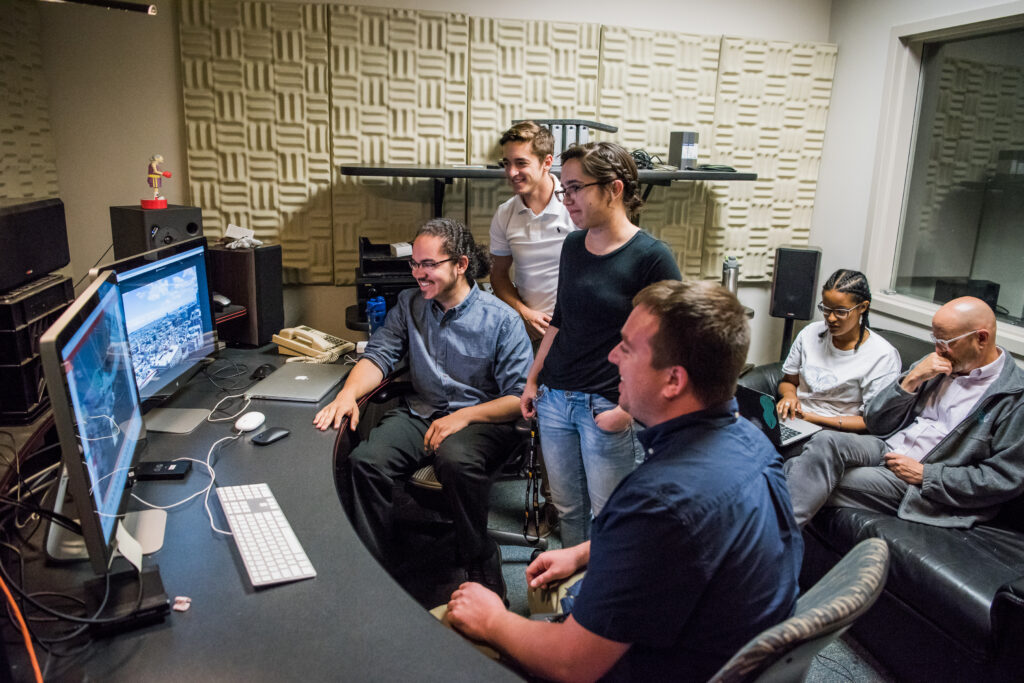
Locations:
{"points": [[175, 420], [62, 545]]}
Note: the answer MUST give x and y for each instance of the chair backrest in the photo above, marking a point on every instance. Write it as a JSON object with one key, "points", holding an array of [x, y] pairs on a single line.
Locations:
{"points": [[784, 652]]}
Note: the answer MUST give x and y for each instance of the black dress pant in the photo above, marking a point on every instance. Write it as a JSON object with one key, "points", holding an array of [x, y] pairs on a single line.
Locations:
{"points": [[465, 463]]}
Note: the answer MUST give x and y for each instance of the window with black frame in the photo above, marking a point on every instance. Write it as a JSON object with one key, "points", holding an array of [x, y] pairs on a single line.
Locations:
{"points": [[963, 218]]}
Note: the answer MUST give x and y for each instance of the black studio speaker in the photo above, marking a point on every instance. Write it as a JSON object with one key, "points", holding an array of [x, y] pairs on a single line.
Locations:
{"points": [[135, 230], [250, 278], [795, 282], [33, 241]]}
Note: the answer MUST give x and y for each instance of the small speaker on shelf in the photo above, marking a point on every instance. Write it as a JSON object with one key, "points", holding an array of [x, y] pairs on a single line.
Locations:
{"points": [[33, 241], [135, 230], [795, 282], [250, 278]]}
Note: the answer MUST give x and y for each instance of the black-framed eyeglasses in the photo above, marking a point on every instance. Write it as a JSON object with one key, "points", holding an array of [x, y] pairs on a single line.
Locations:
{"points": [[839, 313], [946, 343], [428, 265], [571, 190]]}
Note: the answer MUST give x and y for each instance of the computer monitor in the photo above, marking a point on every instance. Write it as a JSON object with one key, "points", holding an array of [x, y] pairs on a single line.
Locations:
{"points": [[167, 304], [97, 411]]}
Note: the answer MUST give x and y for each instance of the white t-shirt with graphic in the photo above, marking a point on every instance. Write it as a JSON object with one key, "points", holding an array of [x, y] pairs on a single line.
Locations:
{"points": [[835, 382]]}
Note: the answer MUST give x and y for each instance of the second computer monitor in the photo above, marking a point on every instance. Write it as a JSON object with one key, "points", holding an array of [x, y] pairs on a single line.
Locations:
{"points": [[167, 306]]}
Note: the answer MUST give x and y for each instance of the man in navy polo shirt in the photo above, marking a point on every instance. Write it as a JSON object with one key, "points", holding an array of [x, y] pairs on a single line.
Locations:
{"points": [[697, 550]]}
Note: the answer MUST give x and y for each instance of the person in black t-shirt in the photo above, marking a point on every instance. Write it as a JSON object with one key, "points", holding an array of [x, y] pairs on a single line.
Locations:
{"points": [[589, 441]]}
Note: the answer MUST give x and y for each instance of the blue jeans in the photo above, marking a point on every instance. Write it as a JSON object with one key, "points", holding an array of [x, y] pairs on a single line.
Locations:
{"points": [[584, 462]]}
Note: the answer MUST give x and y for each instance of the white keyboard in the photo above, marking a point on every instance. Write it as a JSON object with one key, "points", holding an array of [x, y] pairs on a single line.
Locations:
{"points": [[265, 540]]}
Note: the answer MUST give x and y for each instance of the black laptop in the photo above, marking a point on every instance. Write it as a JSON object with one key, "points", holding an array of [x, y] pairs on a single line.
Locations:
{"points": [[759, 408]]}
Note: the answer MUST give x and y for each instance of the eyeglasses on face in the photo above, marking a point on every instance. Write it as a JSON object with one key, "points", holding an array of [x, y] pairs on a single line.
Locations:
{"points": [[946, 343], [428, 265], [571, 190], [839, 313]]}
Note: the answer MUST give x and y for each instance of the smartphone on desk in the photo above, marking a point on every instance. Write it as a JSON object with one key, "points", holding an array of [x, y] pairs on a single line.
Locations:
{"points": [[306, 341]]}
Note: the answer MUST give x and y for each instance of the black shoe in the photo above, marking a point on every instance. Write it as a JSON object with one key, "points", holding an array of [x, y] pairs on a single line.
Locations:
{"points": [[488, 573]]}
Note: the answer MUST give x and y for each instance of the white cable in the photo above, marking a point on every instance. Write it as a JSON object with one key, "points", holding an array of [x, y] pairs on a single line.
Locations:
{"points": [[205, 491], [210, 417]]}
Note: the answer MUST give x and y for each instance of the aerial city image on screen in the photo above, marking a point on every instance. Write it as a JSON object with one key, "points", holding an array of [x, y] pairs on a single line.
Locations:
{"points": [[165, 324]]}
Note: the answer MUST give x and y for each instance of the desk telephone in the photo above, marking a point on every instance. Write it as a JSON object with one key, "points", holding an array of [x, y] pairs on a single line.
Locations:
{"points": [[309, 345]]}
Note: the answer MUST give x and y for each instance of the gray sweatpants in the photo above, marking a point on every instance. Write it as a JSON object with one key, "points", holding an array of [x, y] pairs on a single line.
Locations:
{"points": [[840, 469]]}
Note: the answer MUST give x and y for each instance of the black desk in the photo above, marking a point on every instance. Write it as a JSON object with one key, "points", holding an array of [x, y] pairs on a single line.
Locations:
{"points": [[445, 174], [352, 622]]}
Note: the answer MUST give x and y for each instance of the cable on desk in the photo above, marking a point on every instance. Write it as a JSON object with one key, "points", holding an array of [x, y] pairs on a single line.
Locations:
{"points": [[211, 418], [235, 369], [70, 617], [24, 632], [205, 491]]}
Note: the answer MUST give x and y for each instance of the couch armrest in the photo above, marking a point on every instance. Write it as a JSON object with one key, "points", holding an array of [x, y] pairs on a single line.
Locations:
{"points": [[764, 378], [1008, 618]]}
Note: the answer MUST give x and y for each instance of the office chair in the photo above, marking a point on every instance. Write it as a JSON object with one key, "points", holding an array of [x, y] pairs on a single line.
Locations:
{"points": [[422, 485], [784, 652]]}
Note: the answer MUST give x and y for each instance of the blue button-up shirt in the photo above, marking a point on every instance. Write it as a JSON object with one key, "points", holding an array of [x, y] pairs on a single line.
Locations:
{"points": [[470, 354]]}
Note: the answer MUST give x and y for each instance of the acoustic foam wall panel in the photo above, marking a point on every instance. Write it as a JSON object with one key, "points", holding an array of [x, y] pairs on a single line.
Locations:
{"points": [[653, 83], [520, 70], [399, 93], [770, 112], [28, 159], [255, 80], [405, 86]]}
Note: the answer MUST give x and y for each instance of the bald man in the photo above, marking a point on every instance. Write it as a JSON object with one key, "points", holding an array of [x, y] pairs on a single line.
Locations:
{"points": [[949, 449]]}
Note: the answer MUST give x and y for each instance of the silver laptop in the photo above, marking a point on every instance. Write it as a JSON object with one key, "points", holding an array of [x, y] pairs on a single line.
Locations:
{"points": [[308, 382], [759, 408]]}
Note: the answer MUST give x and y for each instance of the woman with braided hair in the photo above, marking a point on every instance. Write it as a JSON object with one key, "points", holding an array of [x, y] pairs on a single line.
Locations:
{"points": [[836, 366], [588, 440]]}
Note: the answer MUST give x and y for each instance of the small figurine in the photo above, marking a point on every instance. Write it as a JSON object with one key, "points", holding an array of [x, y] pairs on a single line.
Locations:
{"points": [[155, 178]]}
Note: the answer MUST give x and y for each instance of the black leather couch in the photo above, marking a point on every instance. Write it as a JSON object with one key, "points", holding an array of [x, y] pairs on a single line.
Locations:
{"points": [[953, 606]]}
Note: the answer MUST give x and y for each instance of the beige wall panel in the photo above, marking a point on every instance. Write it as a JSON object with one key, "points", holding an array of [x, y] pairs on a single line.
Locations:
{"points": [[257, 122], [653, 83], [523, 69], [28, 161], [399, 95], [771, 108]]}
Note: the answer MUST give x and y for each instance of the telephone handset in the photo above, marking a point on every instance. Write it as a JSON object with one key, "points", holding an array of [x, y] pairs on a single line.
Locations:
{"points": [[305, 341]]}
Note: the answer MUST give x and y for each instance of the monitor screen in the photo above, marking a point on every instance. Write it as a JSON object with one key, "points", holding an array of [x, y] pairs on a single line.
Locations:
{"points": [[97, 409], [167, 307]]}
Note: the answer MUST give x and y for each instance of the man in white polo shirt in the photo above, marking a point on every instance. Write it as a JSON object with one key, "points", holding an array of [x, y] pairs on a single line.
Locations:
{"points": [[529, 228]]}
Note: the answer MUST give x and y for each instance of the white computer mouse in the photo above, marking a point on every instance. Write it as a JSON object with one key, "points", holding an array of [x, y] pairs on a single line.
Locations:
{"points": [[249, 421]]}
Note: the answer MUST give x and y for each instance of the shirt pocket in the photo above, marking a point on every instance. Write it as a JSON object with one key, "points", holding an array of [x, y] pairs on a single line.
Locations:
{"points": [[472, 371]]}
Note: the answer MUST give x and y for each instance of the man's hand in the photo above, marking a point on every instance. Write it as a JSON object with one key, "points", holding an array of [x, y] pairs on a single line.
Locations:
{"points": [[614, 420], [554, 565], [332, 414], [905, 467], [536, 322], [441, 428], [789, 407], [472, 610], [931, 366]]}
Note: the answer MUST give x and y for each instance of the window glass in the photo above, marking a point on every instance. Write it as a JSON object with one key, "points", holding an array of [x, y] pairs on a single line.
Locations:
{"points": [[963, 225]]}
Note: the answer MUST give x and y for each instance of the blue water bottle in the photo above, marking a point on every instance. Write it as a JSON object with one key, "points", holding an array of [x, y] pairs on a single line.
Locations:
{"points": [[376, 310]]}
